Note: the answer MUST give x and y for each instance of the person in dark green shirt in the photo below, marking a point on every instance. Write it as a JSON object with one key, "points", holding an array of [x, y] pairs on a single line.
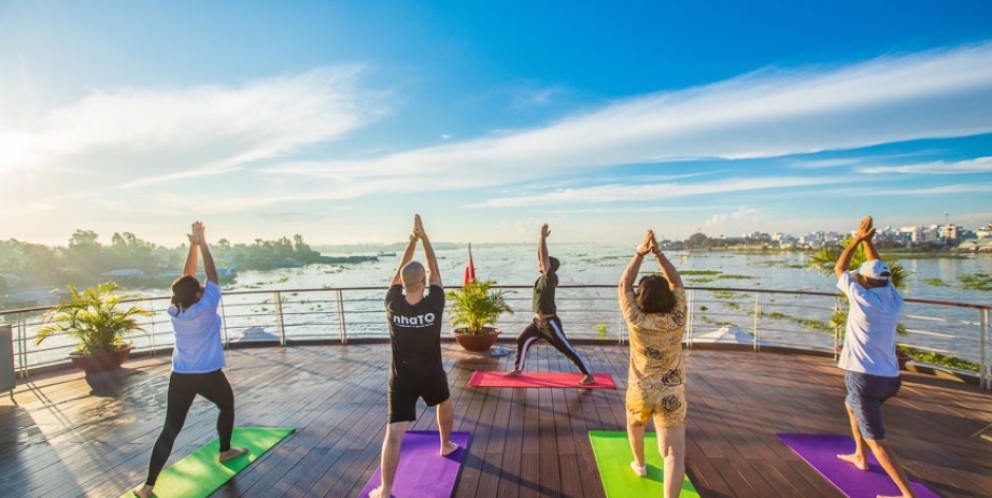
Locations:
{"points": [[546, 324]]}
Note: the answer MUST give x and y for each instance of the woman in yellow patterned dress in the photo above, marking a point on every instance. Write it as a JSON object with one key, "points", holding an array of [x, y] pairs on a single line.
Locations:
{"points": [[656, 316]]}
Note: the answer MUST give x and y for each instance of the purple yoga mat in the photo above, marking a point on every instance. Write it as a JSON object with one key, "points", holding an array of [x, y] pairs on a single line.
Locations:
{"points": [[423, 472], [821, 450]]}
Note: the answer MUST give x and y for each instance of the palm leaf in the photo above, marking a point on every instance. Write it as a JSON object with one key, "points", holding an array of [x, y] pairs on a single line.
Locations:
{"points": [[476, 305], [93, 319]]}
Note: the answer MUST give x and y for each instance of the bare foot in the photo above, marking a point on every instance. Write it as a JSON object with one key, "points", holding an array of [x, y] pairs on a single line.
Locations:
{"points": [[588, 379], [143, 492], [379, 493], [853, 458], [448, 448], [513, 373], [232, 453], [640, 471]]}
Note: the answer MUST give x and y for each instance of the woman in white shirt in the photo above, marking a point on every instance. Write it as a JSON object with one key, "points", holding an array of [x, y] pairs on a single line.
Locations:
{"points": [[197, 359]]}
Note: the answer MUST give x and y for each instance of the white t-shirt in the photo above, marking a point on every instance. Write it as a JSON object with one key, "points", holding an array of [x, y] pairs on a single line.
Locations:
{"points": [[870, 339], [198, 345]]}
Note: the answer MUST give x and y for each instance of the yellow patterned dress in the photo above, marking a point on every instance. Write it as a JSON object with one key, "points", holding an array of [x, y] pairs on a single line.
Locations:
{"points": [[656, 384]]}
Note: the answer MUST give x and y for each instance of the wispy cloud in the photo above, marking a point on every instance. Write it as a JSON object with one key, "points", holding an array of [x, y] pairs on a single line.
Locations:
{"points": [[140, 137], [977, 165], [742, 213], [825, 163], [960, 188], [654, 192], [941, 93]]}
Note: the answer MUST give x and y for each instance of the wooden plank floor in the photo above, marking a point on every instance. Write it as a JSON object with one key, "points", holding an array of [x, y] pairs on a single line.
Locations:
{"points": [[65, 435]]}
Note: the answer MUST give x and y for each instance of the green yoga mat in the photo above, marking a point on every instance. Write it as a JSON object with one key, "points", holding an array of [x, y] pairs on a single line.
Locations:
{"points": [[199, 474], [613, 457]]}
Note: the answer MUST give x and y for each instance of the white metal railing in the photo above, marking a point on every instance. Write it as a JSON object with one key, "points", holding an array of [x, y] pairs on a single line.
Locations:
{"points": [[791, 319]]}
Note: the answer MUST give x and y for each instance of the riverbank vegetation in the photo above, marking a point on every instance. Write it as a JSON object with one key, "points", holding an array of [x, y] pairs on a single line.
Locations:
{"points": [[977, 281], [85, 260]]}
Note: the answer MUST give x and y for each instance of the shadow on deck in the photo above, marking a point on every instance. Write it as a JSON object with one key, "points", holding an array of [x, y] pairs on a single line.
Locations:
{"points": [[63, 434]]}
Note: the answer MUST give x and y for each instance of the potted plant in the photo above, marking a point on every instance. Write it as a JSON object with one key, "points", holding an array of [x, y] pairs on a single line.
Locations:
{"points": [[93, 319], [476, 307]]}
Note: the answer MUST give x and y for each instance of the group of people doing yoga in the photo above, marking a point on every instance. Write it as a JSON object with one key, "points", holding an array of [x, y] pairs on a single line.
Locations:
{"points": [[655, 312]]}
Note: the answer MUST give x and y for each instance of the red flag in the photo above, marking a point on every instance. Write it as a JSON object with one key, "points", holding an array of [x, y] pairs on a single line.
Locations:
{"points": [[469, 267]]}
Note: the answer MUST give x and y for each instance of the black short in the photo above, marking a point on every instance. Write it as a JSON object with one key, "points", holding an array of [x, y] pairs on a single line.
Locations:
{"points": [[403, 396]]}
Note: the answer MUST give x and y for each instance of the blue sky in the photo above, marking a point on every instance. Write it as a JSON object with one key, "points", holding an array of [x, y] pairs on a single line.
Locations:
{"points": [[339, 120]]}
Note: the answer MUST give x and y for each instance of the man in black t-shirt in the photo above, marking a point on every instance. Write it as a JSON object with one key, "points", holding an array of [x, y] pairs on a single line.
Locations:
{"points": [[546, 324], [415, 338]]}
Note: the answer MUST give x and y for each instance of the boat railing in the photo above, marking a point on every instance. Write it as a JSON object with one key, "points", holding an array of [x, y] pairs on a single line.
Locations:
{"points": [[948, 335]]}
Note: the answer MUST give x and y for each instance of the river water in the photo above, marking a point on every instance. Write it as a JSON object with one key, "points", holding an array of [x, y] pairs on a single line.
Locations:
{"points": [[588, 264], [592, 312]]}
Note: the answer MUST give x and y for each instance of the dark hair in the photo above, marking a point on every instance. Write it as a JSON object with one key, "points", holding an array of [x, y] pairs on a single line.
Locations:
{"points": [[654, 295], [184, 291], [554, 264]]}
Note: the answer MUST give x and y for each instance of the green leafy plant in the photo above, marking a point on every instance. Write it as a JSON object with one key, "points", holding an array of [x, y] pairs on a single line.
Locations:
{"points": [[824, 260], [939, 359], [476, 305], [601, 330], [977, 281], [936, 282], [718, 323], [94, 319]]}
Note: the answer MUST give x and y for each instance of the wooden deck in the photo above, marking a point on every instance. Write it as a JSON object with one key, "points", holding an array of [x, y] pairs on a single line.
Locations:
{"points": [[59, 439]]}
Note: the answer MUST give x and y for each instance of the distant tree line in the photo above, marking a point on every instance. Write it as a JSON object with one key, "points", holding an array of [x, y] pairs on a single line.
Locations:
{"points": [[701, 241], [86, 261], [266, 254]]}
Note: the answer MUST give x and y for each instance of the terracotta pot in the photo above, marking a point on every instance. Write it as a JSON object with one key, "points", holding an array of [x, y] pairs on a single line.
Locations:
{"points": [[477, 342], [100, 362]]}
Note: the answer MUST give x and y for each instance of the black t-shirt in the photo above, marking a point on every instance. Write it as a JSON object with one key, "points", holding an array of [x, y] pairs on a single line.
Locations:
{"points": [[544, 294], [415, 334]]}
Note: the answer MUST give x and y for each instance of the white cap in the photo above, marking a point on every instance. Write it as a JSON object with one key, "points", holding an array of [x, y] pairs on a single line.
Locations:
{"points": [[875, 269]]}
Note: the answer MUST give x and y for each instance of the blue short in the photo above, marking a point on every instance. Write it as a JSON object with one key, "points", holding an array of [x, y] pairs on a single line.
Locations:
{"points": [[865, 395]]}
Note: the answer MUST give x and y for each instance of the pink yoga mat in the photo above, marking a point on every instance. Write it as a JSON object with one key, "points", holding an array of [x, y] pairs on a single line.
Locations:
{"points": [[539, 379], [422, 472], [821, 450]]}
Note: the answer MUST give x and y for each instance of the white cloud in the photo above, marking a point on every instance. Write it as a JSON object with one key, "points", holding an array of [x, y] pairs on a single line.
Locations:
{"points": [[977, 165], [654, 192], [742, 213], [941, 93], [243, 149], [140, 137], [969, 188], [825, 163]]}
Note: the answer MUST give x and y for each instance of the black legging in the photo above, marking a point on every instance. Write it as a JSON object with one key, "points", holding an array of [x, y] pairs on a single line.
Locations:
{"points": [[183, 388], [549, 330]]}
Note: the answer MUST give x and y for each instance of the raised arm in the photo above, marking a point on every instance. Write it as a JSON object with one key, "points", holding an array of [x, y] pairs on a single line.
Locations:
{"points": [[543, 259], [630, 273], [208, 260], [667, 268], [870, 250], [433, 271], [864, 234], [411, 247], [189, 268]]}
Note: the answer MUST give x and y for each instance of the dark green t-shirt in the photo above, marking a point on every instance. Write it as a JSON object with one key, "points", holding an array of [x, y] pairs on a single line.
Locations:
{"points": [[544, 294]]}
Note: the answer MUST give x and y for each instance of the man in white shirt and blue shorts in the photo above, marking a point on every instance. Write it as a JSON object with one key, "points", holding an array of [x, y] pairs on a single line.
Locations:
{"points": [[869, 353]]}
